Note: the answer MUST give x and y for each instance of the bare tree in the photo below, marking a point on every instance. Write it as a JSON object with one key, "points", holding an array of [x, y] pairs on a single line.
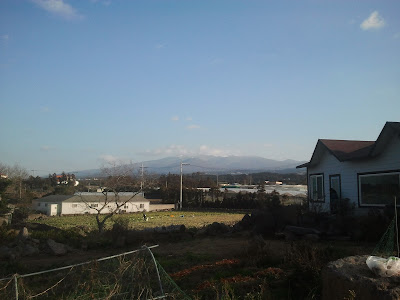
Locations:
{"points": [[17, 175], [119, 188]]}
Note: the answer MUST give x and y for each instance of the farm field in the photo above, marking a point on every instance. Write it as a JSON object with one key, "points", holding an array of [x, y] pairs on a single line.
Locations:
{"points": [[237, 265], [191, 219]]}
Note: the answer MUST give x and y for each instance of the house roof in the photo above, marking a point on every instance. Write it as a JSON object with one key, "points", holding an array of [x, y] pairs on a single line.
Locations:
{"points": [[91, 197], [345, 150]]}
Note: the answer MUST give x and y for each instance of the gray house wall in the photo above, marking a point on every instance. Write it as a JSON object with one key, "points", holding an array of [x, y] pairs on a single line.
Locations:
{"points": [[328, 165]]}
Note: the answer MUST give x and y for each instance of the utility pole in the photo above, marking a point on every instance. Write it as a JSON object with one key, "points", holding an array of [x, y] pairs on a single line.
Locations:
{"points": [[180, 198], [141, 182]]}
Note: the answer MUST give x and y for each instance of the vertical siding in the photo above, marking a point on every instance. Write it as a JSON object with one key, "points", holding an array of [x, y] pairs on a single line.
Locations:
{"points": [[389, 160]]}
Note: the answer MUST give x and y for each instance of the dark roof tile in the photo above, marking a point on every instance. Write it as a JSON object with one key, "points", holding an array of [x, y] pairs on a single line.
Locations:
{"points": [[346, 150]]}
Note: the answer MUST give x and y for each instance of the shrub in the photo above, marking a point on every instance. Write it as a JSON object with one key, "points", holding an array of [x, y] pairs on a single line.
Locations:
{"points": [[121, 225], [20, 214]]}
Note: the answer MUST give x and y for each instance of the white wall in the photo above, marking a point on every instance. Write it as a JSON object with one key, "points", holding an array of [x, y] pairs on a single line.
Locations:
{"points": [[42, 207], [69, 208], [348, 170]]}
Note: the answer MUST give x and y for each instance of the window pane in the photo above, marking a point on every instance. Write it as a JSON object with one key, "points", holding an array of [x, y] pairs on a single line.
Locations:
{"points": [[316, 187], [335, 187], [379, 189], [320, 187]]}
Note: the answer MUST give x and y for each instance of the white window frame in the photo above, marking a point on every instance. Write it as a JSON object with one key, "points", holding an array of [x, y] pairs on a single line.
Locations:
{"points": [[141, 205], [74, 205], [311, 186], [360, 176]]}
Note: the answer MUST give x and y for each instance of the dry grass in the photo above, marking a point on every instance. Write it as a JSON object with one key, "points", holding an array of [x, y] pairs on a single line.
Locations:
{"points": [[190, 219]]}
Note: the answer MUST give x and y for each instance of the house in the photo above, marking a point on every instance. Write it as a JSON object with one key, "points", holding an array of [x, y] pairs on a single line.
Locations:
{"points": [[365, 172], [86, 203]]}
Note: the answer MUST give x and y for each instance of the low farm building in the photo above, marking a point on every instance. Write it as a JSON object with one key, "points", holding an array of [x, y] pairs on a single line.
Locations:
{"points": [[88, 203]]}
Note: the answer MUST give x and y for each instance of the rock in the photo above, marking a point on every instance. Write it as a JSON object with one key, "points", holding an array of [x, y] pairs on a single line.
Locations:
{"points": [[246, 222], [170, 228], [352, 275], [311, 237], [57, 248], [264, 222], [290, 236], [5, 252], [120, 241], [29, 250], [84, 245], [23, 233], [217, 228], [301, 230], [256, 244], [214, 229]]}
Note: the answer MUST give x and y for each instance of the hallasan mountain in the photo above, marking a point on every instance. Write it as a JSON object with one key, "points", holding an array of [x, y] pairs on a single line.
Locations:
{"points": [[211, 164]]}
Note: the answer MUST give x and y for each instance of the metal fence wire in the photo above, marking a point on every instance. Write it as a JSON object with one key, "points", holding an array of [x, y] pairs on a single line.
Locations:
{"points": [[130, 275]]}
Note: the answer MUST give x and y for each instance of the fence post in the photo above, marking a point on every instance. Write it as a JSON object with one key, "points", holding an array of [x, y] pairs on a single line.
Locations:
{"points": [[16, 286]]}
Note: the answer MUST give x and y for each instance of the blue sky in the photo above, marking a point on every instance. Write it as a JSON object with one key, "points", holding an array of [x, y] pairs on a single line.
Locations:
{"points": [[82, 82]]}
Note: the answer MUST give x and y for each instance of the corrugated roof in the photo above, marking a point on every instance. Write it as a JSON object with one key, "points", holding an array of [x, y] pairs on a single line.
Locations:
{"points": [[94, 197]]}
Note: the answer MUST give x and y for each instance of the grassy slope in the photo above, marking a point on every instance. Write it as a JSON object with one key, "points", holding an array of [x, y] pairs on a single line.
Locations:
{"points": [[188, 218]]}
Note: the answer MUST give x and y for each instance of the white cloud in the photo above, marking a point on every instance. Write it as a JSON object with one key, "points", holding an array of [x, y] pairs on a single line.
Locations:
{"points": [[206, 150], [4, 37], [45, 109], [396, 35], [374, 21], [189, 119], [175, 118], [168, 151], [179, 150], [108, 158], [193, 126], [46, 148], [58, 7]]}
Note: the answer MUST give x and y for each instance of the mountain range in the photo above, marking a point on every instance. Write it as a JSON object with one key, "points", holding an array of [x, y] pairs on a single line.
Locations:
{"points": [[210, 164]]}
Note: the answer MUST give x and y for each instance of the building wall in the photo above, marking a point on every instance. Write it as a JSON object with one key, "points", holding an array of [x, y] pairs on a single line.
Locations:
{"points": [[72, 208], [75, 208], [157, 207], [389, 160], [39, 206]]}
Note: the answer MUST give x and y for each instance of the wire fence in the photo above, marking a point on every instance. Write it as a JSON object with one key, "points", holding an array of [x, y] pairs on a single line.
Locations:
{"points": [[131, 275]]}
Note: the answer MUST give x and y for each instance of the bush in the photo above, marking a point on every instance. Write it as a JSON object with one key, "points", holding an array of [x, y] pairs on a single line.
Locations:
{"points": [[20, 214], [121, 225], [342, 207]]}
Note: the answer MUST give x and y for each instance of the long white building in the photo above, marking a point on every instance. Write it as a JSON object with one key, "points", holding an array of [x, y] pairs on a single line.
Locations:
{"points": [[89, 203]]}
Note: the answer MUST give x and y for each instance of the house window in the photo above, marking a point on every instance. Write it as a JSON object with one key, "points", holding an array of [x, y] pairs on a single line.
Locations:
{"points": [[378, 189], [334, 187], [45, 204], [141, 205], [317, 187], [126, 206], [95, 205], [38, 204], [74, 205]]}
